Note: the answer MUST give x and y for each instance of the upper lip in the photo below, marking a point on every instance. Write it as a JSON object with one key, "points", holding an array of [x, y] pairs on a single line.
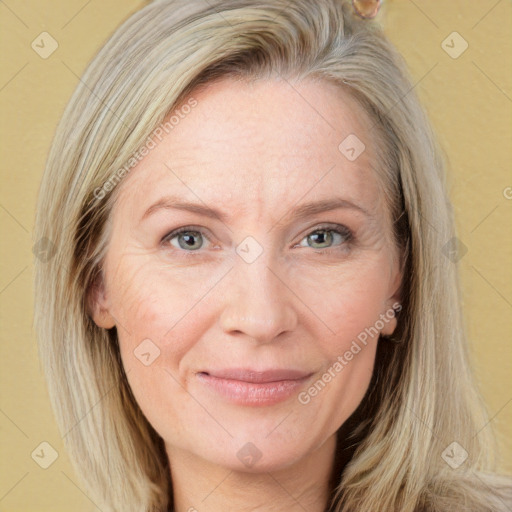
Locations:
{"points": [[258, 376]]}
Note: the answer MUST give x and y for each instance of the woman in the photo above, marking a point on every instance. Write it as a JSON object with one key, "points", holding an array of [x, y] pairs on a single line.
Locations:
{"points": [[250, 306]]}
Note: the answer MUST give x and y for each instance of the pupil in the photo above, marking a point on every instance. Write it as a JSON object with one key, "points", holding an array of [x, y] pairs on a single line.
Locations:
{"points": [[189, 240], [321, 234]]}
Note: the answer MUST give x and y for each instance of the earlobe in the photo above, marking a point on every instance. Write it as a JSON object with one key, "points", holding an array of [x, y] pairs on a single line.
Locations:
{"points": [[98, 305], [102, 318], [393, 306], [391, 318]]}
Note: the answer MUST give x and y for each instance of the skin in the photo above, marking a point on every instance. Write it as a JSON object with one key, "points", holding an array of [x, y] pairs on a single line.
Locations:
{"points": [[255, 150]]}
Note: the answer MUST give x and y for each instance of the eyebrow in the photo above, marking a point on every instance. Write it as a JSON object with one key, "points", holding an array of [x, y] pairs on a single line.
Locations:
{"points": [[300, 212]]}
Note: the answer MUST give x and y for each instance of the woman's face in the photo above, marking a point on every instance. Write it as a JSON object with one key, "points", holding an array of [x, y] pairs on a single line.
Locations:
{"points": [[250, 338]]}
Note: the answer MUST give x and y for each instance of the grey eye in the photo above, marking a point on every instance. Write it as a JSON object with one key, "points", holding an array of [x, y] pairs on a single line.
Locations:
{"points": [[187, 240], [324, 238]]}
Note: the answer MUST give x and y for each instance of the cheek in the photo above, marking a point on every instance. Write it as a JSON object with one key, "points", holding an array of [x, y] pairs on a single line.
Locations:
{"points": [[349, 305], [159, 321], [145, 303], [348, 302], [346, 382], [146, 311], [146, 321]]}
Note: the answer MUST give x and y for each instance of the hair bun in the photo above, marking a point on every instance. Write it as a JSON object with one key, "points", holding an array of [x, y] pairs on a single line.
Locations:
{"points": [[366, 8]]}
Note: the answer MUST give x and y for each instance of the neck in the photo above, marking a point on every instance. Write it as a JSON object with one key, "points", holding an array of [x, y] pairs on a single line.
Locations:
{"points": [[200, 485]]}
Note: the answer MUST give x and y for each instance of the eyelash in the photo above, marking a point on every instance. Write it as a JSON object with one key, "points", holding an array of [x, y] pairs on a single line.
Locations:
{"points": [[343, 231]]}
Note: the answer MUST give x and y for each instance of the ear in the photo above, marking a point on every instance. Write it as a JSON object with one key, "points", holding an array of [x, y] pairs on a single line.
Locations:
{"points": [[98, 304], [393, 303]]}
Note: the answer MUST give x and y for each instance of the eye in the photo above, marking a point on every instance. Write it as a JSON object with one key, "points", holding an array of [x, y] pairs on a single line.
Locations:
{"points": [[191, 239], [186, 238], [324, 237]]}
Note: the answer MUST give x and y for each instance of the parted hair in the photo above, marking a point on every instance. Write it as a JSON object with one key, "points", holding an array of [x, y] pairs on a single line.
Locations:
{"points": [[423, 396]]}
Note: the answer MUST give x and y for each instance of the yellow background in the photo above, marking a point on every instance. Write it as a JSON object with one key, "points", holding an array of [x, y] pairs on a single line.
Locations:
{"points": [[469, 100]]}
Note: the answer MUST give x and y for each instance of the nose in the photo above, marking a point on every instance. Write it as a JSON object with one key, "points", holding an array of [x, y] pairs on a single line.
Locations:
{"points": [[257, 302]]}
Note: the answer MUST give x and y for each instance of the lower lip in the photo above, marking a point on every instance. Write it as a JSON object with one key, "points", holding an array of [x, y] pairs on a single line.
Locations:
{"points": [[252, 393]]}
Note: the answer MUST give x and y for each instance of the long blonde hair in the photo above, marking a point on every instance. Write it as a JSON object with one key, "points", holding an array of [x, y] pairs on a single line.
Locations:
{"points": [[422, 398]]}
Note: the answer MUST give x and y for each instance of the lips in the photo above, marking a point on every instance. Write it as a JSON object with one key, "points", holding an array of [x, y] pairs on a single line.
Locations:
{"points": [[253, 387], [256, 376]]}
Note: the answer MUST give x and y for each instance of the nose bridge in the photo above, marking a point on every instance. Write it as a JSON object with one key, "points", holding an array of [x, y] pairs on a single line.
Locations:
{"points": [[257, 303]]}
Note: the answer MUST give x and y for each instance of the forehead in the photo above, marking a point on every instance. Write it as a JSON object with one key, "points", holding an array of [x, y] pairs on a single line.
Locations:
{"points": [[274, 140]]}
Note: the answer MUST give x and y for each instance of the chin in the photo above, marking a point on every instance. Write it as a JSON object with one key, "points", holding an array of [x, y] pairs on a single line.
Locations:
{"points": [[258, 457], [257, 448]]}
